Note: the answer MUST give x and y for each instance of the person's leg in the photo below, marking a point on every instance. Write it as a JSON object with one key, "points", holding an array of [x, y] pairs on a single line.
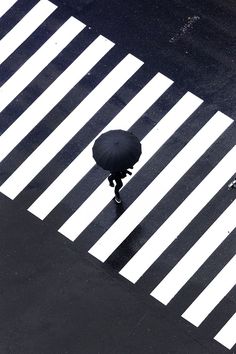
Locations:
{"points": [[110, 179], [118, 186]]}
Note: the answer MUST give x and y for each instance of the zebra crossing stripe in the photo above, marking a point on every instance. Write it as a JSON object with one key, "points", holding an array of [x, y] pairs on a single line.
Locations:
{"points": [[23, 29], [146, 201], [84, 162], [53, 94], [150, 144], [70, 126], [33, 66], [196, 256], [211, 296], [184, 214], [5, 6], [226, 336]]}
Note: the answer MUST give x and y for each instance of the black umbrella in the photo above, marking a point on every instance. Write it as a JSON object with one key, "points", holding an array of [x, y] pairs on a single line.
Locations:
{"points": [[116, 150]]}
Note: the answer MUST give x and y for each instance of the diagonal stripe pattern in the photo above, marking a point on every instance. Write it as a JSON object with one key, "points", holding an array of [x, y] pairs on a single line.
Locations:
{"points": [[53, 94], [226, 336], [167, 233], [70, 126], [84, 162], [120, 230], [33, 66], [181, 217], [201, 307], [5, 6], [150, 144], [30, 22], [196, 256]]}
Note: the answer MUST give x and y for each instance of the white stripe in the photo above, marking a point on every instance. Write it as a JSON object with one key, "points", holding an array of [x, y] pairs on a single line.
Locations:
{"points": [[84, 162], [150, 144], [159, 187], [183, 215], [70, 126], [53, 94], [196, 256], [33, 66], [5, 5], [227, 335], [197, 312], [25, 28]]}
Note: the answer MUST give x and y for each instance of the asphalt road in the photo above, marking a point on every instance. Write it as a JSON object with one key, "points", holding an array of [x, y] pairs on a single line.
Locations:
{"points": [[56, 298], [192, 42]]}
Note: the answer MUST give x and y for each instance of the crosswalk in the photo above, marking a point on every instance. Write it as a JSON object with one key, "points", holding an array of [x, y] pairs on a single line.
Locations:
{"points": [[6, 5], [34, 65], [185, 112], [196, 256], [72, 228], [25, 28], [84, 162]]}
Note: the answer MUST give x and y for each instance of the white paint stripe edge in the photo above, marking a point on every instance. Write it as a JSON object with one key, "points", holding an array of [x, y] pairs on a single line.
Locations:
{"points": [[39, 60], [24, 28], [5, 5], [84, 162], [179, 113], [227, 335], [196, 256], [70, 126], [182, 216], [160, 186], [53, 94], [211, 296]]}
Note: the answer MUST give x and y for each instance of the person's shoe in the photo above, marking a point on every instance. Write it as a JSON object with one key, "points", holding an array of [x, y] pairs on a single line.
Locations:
{"points": [[111, 184], [117, 200], [232, 184]]}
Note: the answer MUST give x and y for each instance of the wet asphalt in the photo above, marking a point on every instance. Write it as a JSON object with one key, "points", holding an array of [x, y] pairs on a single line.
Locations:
{"points": [[54, 297]]}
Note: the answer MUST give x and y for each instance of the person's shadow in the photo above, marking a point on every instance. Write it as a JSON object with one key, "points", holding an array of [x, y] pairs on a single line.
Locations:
{"points": [[119, 209]]}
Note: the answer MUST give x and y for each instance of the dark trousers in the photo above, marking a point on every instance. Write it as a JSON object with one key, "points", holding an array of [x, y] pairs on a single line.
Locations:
{"points": [[118, 186]]}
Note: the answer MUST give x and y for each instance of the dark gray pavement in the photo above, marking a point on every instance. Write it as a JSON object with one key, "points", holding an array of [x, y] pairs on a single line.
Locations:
{"points": [[57, 299], [192, 42]]}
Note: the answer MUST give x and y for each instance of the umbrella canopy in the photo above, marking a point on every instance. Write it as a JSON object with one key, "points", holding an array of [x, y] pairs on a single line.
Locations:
{"points": [[116, 150]]}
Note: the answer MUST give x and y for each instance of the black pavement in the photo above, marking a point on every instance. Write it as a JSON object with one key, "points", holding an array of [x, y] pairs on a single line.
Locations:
{"points": [[56, 298]]}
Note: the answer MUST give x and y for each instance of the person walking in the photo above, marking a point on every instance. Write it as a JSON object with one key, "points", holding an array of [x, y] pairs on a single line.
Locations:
{"points": [[117, 151], [117, 177]]}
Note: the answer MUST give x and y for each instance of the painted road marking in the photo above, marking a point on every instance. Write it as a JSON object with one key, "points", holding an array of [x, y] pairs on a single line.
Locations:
{"points": [[5, 6], [53, 94], [150, 144], [226, 336], [181, 217], [196, 256], [124, 120], [70, 126], [197, 312], [148, 199], [33, 66], [84, 162], [24, 28]]}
